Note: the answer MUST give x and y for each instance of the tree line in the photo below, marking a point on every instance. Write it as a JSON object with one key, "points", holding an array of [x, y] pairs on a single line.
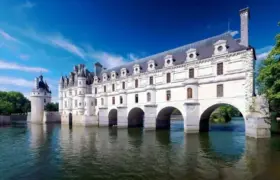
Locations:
{"points": [[16, 103]]}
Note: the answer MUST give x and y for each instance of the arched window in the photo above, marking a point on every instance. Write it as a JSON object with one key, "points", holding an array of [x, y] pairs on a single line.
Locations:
{"points": [[148, 97], [136, 83], [113, 87], [113, 100], [191, 73], [123, 85], [168, 78], [151, 80], [168, 95], [121, 100], [102, 101], [189, 93], [136, 98]]}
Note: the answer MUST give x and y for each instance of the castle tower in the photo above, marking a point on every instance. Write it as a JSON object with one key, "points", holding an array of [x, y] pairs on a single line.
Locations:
{"points": [[81, 89], [39, 97], [60, 94]]}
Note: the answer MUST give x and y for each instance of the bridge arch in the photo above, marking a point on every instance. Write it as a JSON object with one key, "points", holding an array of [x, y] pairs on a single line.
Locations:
{"points": [[113, 117], [135, 117], [206, 113], [163, 118]]}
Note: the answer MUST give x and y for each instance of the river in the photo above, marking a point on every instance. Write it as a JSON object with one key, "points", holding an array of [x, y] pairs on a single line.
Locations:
{"points": [[35, 152]]}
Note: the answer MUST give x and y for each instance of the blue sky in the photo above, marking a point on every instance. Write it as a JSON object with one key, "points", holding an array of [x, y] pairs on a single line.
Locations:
{"points": [[52, 36]]}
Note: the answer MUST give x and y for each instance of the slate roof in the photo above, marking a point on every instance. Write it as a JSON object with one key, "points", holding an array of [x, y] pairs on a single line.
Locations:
{"points": [[204, 48]]}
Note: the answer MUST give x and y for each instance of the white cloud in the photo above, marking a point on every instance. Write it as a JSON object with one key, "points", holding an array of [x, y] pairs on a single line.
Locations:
{"points": [[5, 80], [7, 36], [15, 66], [108, 60], [67, 45], [24, 56], [262, 53], [234, 33], [28, 4]]}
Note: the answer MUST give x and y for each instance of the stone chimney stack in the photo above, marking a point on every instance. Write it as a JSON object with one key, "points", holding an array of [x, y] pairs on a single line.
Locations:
{"points": [[244, 26], [98, 68]]}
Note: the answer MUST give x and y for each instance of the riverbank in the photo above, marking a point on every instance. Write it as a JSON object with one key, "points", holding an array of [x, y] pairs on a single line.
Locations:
{"points": [[5, 120]]}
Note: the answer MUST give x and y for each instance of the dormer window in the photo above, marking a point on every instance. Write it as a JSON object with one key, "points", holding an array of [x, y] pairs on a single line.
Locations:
{"points": [[220, 47], [168, 60], [113, 75], [95, 79], [136, 69], [105, 77], [123, 72], [151, 65], [191, 54]]}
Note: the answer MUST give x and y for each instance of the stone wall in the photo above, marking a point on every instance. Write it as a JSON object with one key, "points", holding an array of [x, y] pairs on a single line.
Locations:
{"points": [[18, 117], [5, 120], [51, 117]]}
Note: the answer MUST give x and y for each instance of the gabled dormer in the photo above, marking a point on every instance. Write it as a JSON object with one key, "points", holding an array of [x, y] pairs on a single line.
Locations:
{"points": [[104, 77], [168, 61], [191, 54], [151, 65], [113, 75], [136, 69], [220, 47], [123, 72], [96, 79]]}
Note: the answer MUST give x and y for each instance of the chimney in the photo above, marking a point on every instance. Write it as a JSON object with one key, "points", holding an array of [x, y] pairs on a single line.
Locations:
{"points": [[244, 26], [97, 68]]}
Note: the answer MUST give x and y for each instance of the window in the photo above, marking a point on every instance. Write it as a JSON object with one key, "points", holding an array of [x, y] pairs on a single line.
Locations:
{"points": [[168, 95], [189, 93], [92, 103], [70, 93], [168, 78], [219, 68], [113, 87], [136, 83], [45, 93], [44, 100], [151, 80], [95, 101], [136, 98], [65, 94], [191, 73], [80, 104], [80, 92], [113, 100], [95, 90], [123, 85], [65, 104], [104, 88], [148, 97], [102, 101], [80, 82], [220, 90], [75, 92], [76, 103], [121, 100]]}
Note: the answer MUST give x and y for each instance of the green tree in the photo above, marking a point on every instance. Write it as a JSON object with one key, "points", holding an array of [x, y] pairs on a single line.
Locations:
{"points": [[269, 77], [223, 114], [51, 107], [13, 102]]}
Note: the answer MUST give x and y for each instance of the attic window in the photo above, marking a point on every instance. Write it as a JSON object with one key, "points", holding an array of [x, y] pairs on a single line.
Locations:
{"points": [[168, 61], [191, 55], [123, 72], [151, 65], [136, 69], [113, 75], [220, 48]]}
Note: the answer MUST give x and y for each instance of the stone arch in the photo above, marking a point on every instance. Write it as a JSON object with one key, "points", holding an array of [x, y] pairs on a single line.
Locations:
{"points": [[163, 118], [136, 117], [205, 115], [113, 117]]}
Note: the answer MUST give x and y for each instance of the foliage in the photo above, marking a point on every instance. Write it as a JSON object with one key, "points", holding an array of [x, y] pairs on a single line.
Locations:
{"points": [[51, 107], [223, 114], [269, 77], [13, 102]]}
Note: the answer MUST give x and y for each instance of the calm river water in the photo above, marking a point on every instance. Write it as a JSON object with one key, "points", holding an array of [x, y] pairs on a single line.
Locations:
{"points": [[34, 152]]}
